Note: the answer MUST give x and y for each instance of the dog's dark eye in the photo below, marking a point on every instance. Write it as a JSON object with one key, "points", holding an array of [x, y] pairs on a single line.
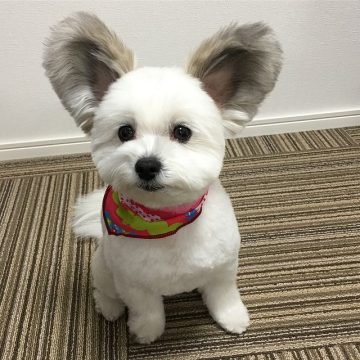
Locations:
{"points": [[181, 133], [126, 133]]}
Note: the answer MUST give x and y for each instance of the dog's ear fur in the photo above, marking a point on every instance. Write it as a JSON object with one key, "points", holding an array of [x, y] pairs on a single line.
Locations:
{"points": [[238, 66], [82, 58]]}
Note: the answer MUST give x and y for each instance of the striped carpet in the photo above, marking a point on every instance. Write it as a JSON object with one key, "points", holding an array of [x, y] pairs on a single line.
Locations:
{"points": [[297, 199]]}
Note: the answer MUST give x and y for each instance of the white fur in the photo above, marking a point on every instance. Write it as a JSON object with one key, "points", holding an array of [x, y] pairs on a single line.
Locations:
{"points": [[86, 221], [202, 255]]}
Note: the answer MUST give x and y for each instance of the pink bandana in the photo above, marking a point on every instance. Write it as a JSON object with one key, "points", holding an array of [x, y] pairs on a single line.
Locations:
{"points": [[125, 217]]}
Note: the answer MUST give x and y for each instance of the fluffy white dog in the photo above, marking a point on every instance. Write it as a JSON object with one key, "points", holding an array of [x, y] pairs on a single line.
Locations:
{"points": [[157, 139]]}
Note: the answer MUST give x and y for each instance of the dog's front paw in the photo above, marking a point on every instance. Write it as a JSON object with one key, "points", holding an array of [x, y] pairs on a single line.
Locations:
{"points": [[110, 308], [234, 318], [146, 328]]}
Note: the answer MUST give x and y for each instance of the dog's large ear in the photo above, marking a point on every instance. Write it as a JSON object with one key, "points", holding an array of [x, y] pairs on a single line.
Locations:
{"points": [[82, 58], [238, 66]]}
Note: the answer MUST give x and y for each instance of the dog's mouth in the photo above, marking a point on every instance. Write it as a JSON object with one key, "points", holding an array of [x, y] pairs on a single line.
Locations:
{"points": [[150, 186]]}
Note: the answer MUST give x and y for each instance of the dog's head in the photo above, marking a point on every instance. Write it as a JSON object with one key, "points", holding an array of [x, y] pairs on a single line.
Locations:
{"points": [[158, 134]]}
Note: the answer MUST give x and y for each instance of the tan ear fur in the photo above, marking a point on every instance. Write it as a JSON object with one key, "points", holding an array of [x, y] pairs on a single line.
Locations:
{"points": [[82, 58], [238, 67]]}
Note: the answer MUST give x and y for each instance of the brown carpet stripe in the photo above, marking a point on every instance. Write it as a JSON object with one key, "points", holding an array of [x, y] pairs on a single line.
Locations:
{"points": [[275, 144], [354, 133], [297, 199]]}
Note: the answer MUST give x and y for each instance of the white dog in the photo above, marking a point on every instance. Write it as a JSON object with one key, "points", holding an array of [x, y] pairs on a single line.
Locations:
{"points": [[157, 139]]}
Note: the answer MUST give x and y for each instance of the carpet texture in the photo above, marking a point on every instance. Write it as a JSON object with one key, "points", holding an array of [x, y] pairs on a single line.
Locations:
{"points": [[297, 200]]}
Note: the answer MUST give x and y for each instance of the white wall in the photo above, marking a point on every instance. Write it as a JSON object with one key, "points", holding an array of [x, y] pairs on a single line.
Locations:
{"points": [[320, 39]]}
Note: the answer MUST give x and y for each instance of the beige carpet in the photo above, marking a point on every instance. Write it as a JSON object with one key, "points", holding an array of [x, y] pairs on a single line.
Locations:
{"points": [[297, 199]]}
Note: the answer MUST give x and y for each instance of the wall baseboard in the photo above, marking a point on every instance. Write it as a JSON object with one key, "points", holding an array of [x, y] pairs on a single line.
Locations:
{"points": [[299, 123], [75, 145]]}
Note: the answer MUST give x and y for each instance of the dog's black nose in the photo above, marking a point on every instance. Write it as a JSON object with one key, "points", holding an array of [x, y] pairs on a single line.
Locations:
{"points": [[147, 168]]}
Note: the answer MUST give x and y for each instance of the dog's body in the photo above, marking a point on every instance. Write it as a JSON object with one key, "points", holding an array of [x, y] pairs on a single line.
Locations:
{"points": [[203, 255], [158, 138]]}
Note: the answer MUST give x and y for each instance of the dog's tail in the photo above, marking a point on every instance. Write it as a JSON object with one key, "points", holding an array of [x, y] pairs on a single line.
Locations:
{"points": [[87, 215]]}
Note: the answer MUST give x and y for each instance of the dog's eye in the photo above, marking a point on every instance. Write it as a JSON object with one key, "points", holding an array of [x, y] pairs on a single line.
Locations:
{"points": [[181, 133], [126, 133]]}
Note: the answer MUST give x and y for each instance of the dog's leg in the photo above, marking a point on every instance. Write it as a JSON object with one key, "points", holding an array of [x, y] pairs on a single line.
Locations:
{"points": [[107, 302], [224, 303], [146, 314]]}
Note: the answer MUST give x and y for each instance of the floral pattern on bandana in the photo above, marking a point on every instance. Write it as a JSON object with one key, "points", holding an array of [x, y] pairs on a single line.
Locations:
{"points": [[124, 217]]}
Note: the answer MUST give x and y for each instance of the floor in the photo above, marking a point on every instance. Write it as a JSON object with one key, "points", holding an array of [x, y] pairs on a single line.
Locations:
{"points": [[297, 200]]}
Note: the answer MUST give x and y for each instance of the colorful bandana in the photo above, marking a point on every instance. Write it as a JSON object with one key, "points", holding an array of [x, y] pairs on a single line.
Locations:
{"points": [[125, 217]]}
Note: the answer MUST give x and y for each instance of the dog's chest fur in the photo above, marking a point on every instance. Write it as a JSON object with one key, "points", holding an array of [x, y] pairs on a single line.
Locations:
{"points": [[183, 261]]}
